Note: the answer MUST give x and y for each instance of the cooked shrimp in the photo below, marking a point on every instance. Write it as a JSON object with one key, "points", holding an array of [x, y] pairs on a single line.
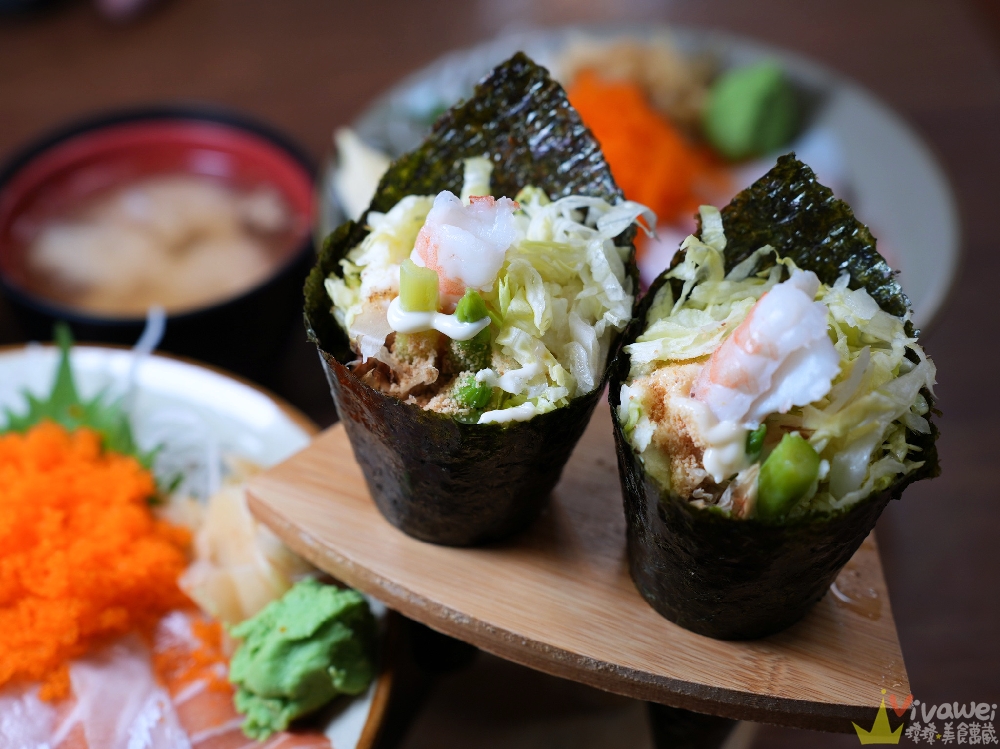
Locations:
{"points": [[780, 356], [465, 244]]}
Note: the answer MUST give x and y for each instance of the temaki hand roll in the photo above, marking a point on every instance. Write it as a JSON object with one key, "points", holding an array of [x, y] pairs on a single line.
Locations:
{"points": [[769, 401], [474, 308]]}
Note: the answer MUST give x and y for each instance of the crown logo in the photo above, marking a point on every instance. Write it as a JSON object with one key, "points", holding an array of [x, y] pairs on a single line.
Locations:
{"points": [[881, 732]]}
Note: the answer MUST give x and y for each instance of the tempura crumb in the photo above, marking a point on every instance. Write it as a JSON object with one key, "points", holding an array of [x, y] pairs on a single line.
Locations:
{"points": [[664, 391]]}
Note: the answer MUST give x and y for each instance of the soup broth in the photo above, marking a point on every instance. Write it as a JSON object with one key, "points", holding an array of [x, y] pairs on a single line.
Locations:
{"points": [[180, 241]]}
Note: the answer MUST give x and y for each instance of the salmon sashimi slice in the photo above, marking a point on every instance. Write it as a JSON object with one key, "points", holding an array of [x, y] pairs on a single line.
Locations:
{"points": [[189, 656], [124, 697]]}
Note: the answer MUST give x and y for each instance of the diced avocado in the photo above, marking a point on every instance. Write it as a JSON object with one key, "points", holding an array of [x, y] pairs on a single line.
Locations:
{"points": [[471, 394], [418, 288], [472, 355], [786, 476], [471, 307], [755, 442]]}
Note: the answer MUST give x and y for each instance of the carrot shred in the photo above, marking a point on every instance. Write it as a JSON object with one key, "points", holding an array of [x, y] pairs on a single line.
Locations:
{"points": [[650, 159], [83, 557]]}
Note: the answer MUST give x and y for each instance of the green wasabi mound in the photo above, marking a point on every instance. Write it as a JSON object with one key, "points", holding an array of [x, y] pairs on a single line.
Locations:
{"points": [[751, 111], [299, 652]]}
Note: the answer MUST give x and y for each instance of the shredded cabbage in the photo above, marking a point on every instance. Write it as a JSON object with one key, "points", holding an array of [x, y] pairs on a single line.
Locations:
{"points": [[373, 265], [476, 180], [711, 303], [560, 296], [859, 427]]}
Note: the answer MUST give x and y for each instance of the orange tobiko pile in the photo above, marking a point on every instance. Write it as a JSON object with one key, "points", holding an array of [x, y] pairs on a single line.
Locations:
{"points": [[652, 161], [83, 558]]}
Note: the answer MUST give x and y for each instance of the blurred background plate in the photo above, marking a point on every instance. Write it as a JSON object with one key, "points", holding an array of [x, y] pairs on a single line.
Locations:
{"points": [[855, 143], [230, 416]]}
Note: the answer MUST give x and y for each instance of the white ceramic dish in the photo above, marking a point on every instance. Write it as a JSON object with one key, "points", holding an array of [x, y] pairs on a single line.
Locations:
{"points": [[855, 143], [234, 416]]}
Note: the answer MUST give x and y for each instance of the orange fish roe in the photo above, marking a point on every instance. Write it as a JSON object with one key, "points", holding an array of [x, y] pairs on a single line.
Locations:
{"points": [[83, 559], [650, 159]]}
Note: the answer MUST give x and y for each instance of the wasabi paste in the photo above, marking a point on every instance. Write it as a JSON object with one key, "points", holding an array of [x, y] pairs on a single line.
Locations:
{"points": [[750, 111], [299, 652]]}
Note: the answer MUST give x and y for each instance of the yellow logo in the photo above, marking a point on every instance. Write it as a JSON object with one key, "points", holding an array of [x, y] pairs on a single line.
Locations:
{"points": [[881, 732]]}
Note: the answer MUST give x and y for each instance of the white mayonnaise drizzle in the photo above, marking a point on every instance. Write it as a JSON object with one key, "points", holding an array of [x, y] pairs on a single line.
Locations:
{"points": [[419, 322], [524, 412], [726, 441]]}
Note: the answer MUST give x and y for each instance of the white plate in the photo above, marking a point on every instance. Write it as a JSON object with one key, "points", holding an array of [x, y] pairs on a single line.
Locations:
{"points": [[237, 417], [242, 420], [856, 144]]}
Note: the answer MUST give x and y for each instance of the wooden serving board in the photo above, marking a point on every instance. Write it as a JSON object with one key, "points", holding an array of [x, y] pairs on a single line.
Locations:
{"points": [[558, 598]]}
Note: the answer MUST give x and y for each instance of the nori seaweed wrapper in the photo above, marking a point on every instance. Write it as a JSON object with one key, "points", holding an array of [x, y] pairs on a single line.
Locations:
{"points": [[740, 579], [433, 477]]}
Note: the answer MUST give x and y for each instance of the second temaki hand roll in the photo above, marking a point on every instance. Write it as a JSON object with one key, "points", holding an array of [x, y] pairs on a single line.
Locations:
{"points": [[770, 399], [474, 308]]}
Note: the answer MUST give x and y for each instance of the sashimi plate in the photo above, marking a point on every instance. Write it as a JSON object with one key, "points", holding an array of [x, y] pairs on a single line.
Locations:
{"points": [[218, 413], [856, 144]]}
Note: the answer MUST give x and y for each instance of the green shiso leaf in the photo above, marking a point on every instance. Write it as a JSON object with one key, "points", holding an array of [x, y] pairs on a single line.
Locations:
{"points": [[518, 117], [789, 210], [65, 407]]}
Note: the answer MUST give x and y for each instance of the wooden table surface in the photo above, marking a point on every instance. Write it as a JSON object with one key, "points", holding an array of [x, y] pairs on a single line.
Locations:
{"points": [[310, 65]]}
